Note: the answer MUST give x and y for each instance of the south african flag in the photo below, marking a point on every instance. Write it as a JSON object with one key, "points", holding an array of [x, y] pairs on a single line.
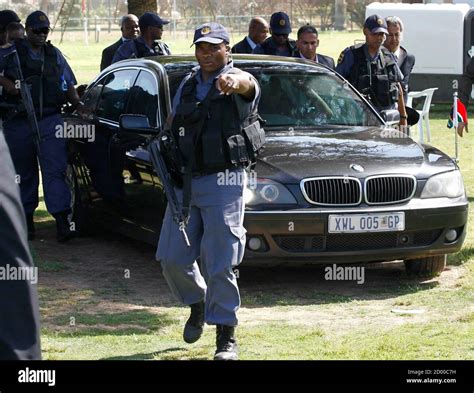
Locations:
{"points": [[461, 115]]}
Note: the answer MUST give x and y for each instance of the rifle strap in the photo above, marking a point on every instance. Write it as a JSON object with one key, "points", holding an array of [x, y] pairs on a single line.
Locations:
{"points": [[41, 86]]}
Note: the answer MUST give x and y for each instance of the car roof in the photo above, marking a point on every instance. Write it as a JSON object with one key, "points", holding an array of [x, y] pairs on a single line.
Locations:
{"points": [[240, 60]]}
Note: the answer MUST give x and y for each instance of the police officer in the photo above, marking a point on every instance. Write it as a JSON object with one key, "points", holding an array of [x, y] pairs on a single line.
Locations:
{"points": [[210, 107], [373, 70], [19, 321], [15, 31], [51, 82], [278, 44], [6, 17], [147, 44]]}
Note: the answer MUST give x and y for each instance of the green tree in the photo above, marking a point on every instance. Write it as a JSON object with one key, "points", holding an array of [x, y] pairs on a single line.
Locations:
{"points": [[139, 7]]}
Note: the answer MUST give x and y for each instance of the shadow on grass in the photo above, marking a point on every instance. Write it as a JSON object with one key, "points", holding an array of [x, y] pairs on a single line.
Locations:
{"points": [[259, 286], [155, 355], [49, 266], [111, 324], [307, 285]]}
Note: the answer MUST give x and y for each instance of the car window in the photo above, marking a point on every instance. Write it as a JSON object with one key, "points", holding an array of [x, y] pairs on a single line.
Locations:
{"points": [[310, 99], [144, 97], [114, 95], [91, 98]]}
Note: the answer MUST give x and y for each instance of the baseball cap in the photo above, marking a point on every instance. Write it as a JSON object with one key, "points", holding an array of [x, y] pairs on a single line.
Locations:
{"points": [[280, 23], [8, 16], [150, 19], [213, 33], [37, 20], [376, 24]]}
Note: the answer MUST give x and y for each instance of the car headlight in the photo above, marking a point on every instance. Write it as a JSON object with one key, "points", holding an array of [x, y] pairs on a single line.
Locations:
{"points": [[445, 185], [266, 191]]}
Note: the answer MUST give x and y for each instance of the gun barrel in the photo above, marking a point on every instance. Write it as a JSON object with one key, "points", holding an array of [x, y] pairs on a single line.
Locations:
{"points": [[185, 235], [27, 101], [162, 172]]}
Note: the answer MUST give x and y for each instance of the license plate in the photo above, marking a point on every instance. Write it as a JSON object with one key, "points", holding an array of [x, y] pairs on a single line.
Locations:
{"points": [[374, 222]]}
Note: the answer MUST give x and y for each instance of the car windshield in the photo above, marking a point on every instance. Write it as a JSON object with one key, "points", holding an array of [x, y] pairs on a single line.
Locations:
{"points": [[300, 99], [299, 96]]}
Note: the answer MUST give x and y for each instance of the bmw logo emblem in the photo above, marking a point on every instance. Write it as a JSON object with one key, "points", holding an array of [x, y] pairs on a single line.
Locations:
{"points": [[357, 167]]}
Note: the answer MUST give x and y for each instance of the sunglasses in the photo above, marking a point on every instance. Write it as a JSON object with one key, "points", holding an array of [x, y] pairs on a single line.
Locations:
{"points": [[281, 35], [44, 30]]}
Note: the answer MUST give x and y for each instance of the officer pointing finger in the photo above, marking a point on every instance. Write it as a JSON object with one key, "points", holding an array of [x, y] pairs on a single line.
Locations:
{"points": [[214, 113]]}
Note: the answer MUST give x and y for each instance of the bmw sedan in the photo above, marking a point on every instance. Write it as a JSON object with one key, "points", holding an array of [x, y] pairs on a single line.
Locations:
{"points": [[334, 184]]}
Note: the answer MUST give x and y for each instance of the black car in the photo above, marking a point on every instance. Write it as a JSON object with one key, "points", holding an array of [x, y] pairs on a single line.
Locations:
{"points": [[334, 183]]}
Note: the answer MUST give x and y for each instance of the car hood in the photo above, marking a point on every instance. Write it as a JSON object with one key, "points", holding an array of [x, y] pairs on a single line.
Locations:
{"points": [[293, 155]]}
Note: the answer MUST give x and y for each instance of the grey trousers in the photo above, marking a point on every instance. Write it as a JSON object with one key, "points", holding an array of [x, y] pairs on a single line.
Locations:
{"points": [[217, 236]]}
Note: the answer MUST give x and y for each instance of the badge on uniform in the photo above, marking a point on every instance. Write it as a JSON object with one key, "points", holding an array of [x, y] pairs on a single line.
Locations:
{"points": [[341, 57]]}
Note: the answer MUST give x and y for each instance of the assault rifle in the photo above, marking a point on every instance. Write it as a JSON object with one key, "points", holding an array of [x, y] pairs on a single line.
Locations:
{"points": [[158, 161], [26, 99]]}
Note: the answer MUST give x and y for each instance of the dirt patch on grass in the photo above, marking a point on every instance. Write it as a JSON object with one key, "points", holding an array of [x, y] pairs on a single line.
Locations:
{"points": [[112, 274]]}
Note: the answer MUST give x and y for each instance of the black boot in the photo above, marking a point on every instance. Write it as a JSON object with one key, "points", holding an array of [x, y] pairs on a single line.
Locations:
{"points": [[64, 232], [195, 323], [226, 343], [31, 226]]}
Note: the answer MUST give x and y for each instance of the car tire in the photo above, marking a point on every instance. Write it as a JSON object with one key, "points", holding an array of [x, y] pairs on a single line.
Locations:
{"points": [[78, 216], [426, 267]]}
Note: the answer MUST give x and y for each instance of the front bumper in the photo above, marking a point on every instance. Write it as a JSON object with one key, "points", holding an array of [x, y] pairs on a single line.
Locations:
{"points": [[301, 235]]}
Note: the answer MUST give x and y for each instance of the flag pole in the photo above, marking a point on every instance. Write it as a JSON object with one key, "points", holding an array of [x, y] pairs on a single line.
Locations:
{"points": [[455, 125]]}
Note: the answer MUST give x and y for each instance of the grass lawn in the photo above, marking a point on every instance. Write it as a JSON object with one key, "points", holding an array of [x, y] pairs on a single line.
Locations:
{"points": [[279, 319], [280, 324]]}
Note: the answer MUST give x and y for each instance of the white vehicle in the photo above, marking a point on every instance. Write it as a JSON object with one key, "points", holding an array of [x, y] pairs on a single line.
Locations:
{"points": [[441, 36]]}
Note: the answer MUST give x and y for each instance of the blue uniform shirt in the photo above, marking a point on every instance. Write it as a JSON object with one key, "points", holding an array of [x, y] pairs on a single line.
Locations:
{"points": [[129, 49], [203, 87], [66, 72], [269, 47], [346, 61]]}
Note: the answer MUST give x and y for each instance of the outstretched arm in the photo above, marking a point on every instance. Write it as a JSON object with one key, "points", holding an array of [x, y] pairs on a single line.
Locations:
{"points": [[241, 83]]}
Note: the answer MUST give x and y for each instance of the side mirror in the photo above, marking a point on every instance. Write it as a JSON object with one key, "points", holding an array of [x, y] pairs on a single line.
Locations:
{"points": [[390, 116], [137, 124]]}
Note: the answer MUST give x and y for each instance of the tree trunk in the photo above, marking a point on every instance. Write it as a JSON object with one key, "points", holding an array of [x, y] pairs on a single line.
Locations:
{"points": [[340, 14], [139, 7]]}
